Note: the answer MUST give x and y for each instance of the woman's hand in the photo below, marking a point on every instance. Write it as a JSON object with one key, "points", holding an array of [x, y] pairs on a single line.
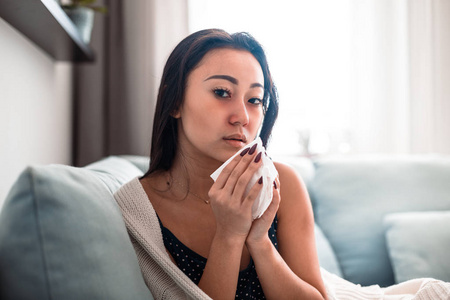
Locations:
{"points": [[233, 210], [260, 227]]}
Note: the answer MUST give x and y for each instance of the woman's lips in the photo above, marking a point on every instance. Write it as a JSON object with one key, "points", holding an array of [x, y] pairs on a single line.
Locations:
{"points": [[235, 142]]}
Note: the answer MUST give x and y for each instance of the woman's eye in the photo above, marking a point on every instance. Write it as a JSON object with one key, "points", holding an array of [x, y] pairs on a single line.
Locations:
{"points": [[255, 101], [222, 93]]}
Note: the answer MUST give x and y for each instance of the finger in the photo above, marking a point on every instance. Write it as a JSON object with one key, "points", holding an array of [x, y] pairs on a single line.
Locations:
{"points": [[276, 191], [240, 169], [241, 184], [223, 176], [272, 209], [276, 183], [248, 201]]}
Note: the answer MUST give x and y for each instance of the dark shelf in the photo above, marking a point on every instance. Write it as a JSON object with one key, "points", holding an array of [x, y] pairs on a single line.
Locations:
{"points": [[46, 24]]}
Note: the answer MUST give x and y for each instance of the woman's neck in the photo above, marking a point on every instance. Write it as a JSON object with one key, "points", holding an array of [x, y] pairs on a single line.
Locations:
{"points": [[193, 173]]}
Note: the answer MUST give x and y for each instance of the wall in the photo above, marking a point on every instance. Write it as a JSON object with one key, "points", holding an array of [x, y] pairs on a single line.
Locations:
{"points": [[35, 107]]}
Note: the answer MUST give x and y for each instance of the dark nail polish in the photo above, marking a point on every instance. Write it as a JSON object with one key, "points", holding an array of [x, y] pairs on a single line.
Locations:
{"points": [[260, 180], [258, 157], [245, 151], [275, 185], [252, 149]]}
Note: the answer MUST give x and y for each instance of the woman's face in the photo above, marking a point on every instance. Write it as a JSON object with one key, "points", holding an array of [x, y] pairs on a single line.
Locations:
{"points": [[222, 109]]}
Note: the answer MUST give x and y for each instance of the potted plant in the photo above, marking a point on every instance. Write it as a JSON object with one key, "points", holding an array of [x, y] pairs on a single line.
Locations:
{"points": [[81, 12]]}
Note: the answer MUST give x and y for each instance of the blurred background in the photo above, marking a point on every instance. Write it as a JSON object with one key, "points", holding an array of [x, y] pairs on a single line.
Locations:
{"points": [[354, 77]]}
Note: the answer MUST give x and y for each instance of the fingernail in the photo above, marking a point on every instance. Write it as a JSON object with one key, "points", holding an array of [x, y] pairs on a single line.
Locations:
{"points": [[252, 149], [275, 185], [260, 180], [245, 151], [258, 157]]}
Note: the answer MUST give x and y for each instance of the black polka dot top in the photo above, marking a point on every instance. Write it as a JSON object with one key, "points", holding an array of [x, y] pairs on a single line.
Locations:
{"points": [[193, 264]]}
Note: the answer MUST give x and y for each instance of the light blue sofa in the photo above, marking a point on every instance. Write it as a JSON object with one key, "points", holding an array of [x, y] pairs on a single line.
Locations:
{"points": [[386, 218], [378, 221]]}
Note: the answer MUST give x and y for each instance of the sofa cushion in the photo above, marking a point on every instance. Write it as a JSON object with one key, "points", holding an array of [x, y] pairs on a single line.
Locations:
{"points": [[351, 196], [327, 258], [302, 165], [141, 162], [418, 244], [62, 235]]}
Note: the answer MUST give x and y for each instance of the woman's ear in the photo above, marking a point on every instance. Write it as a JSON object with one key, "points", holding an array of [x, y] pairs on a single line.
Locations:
{"points": [[176, 114]]}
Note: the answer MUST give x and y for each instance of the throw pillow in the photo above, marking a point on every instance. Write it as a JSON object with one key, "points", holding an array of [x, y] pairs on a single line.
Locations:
{"points": [[62, 235], [418, 244]]}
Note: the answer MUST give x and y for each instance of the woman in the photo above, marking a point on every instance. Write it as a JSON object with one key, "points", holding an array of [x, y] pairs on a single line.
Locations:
{"points": [[216, 96]]}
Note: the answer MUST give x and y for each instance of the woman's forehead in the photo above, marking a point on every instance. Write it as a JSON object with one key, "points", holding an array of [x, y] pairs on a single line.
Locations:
{"points": [[233, 62]]}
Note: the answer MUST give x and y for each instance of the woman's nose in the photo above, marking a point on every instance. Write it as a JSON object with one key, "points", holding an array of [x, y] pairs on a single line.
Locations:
{"points": [[239, 114]]}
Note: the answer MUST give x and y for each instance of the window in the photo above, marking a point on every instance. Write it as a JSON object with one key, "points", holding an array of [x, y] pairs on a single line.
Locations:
{"points": [[308, 48]]}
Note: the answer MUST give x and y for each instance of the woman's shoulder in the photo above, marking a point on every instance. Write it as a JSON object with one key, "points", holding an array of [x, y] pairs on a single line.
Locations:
{"points": [[129, 190], [283, 167], [288, 175], [294, 196]]}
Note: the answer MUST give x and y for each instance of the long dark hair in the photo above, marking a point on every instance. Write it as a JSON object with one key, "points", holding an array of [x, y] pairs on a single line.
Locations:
{"points": [[183, 59]]}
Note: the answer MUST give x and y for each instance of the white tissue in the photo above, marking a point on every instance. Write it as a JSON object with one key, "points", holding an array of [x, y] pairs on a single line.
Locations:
{"points": [[268, 173]]}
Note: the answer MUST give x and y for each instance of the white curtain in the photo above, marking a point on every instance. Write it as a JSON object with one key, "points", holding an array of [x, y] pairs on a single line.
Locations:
{"points": [[354, 76], [380, 118], [429, 23], [402, 70]]}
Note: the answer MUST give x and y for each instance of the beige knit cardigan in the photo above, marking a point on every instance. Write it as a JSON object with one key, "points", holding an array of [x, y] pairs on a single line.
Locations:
{"points": [[164, 279]]}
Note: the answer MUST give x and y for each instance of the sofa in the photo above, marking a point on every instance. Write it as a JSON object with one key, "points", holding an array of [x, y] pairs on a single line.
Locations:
{"points": [[379, 220]]}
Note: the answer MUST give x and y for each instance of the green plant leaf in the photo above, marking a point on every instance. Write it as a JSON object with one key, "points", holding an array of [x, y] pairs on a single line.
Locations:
{"points": [[86, 3]]}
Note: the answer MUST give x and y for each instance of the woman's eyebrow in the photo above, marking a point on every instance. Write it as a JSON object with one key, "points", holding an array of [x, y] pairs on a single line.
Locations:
{"points": [[254, 85], [232, 80], [226, 77]]}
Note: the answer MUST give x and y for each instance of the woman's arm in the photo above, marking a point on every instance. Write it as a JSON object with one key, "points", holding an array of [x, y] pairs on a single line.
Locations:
{"points": [[220, 276], [293, 272], [233, 214]]}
